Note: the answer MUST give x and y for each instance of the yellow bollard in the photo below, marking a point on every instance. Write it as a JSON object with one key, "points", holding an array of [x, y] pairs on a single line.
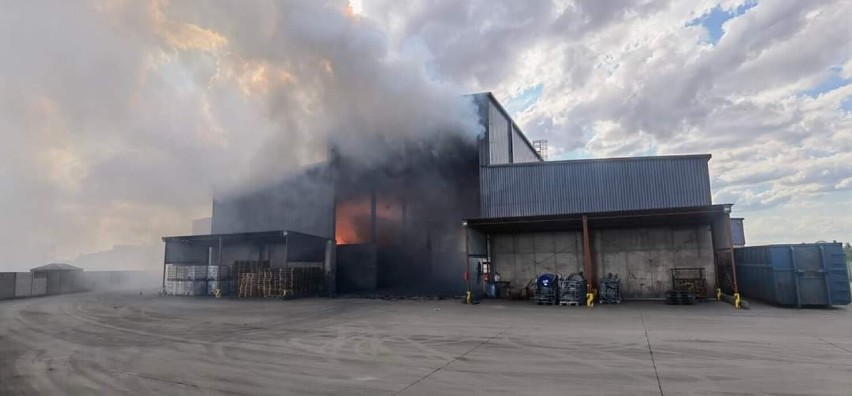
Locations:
{"points": [[217, 293], [737, 300], [467, 298], [718, 294], [590, 300]]}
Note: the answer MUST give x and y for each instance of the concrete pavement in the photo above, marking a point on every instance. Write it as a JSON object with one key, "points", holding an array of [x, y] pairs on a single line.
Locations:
{"points": [[123, 343]]}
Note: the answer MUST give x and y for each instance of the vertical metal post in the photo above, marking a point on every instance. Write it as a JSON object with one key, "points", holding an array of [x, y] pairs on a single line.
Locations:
{"points": [[329, 262], [467, 257], [219, 266], [587, 255], [165, 257], [796, 277], [731, 250], [823, 266]]}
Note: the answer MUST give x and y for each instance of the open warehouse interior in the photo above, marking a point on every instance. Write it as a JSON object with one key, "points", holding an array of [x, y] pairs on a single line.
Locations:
{"points": [[641, 247], [258, 264]]}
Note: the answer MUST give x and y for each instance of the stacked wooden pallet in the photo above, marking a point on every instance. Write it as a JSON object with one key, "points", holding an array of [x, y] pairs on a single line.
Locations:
{"points": [[248, 284], [265, 280], [292, 281]]}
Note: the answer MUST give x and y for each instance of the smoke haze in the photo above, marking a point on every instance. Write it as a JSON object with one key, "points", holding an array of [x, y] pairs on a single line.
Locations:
{"points": [[120, 117]]}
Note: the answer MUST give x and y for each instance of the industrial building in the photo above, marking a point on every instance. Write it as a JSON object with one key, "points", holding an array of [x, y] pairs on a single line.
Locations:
{"points": [[445, 218]]}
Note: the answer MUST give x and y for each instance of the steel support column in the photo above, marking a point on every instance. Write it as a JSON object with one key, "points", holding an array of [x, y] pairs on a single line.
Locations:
{"points": [[731, 250], [219, 266], [165, 257], [587, 255], [467, 256]]}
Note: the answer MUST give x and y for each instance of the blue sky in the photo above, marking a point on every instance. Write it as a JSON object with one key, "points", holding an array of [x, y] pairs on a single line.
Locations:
{"points": [[715, 19], [524, 100]]}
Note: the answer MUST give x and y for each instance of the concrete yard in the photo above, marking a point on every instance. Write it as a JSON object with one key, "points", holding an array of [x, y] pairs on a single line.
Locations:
{"points": [[123, 343]]}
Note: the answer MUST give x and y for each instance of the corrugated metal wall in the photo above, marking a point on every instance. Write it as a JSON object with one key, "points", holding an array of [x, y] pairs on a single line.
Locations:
{"points": [[590, 186], [737, 232], [7, 285], [23, 284], [521, 151], [505, 141], [39, 286], [498, 135], [304, 203]]}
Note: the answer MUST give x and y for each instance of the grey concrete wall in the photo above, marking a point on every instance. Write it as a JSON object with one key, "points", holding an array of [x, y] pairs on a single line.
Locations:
{"points": [[23, 284], [518, 258], [7, 285], [643, 257]]}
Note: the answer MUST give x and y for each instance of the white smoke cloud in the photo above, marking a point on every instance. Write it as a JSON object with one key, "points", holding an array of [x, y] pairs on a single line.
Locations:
{"points": [[119, 117]]}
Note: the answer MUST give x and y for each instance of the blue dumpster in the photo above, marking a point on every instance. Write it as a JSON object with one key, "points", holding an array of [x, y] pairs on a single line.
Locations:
{"points": [[794, 275]]}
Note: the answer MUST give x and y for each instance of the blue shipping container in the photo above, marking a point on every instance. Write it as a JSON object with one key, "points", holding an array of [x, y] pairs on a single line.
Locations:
{"points": [[794, 275]]}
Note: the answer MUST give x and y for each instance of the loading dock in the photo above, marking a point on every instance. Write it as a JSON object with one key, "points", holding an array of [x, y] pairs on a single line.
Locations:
{"points": [[642, 247]]}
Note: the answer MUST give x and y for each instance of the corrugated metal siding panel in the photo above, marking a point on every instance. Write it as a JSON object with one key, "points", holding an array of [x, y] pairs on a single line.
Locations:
{"points": [[737, 232], [594, 186], [794, 274], [498, 136], [303, 204], [23, 284], [521, 151]]}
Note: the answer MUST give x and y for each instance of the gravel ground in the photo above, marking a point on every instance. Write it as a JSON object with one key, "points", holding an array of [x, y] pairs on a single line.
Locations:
{"points": [[124, 343]]}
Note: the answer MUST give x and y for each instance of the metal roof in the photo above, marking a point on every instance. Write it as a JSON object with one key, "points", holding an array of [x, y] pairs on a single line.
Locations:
{"points": [[57, 267], [594, 185], [263, 236]]}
